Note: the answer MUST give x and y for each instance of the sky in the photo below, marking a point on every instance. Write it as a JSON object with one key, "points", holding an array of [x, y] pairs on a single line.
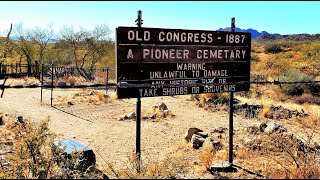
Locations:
{"points": [[283, 17]]}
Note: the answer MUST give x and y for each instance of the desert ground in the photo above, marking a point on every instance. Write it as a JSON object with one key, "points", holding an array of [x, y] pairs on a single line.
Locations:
{"points": [[97, 125]]}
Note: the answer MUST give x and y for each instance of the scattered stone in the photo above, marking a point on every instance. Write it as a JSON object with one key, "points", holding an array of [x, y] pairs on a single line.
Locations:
{"points": [[153, 116], [272, 127], [162, 106], [197, 141], [166, 112], [123, 117], [216, 145], [190, 132], [131, 115], [263, 126], [90, 93], [145, 117], [20, 119], [70, 103]]}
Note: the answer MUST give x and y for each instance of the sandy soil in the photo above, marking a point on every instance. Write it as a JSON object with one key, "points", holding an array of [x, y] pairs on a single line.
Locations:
{"points": [[112, 140]]}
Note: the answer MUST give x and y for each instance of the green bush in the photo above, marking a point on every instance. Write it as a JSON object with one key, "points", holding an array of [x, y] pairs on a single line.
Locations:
{"points": [[272, 48], [295, 89]]}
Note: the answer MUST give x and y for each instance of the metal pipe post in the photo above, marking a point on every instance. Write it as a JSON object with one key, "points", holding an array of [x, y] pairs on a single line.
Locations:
{"points": [[231, 111], [138, 110], [51, 82]]}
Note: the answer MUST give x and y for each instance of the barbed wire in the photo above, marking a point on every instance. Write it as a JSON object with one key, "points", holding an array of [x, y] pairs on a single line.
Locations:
{"points": [[142, 85]]}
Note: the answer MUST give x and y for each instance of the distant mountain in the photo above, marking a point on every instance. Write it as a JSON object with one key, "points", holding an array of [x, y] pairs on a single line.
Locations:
{"points": [[15, 38], [254, 33]]}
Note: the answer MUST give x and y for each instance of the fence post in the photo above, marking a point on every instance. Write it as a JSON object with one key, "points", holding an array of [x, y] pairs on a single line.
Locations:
{"points": [[52, 70], [41, 81], [107, 80], [0, 69]]}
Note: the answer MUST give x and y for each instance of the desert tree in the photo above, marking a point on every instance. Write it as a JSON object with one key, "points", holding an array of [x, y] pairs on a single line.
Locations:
{"points": [[23, 46], [41, 37], [86, 46], [7, 48]]}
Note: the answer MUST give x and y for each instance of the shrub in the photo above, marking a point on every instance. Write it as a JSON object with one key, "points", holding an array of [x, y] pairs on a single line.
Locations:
{"points": [[33, 156], [307, 98], [273, 48], [254, 57], [295, 89]]}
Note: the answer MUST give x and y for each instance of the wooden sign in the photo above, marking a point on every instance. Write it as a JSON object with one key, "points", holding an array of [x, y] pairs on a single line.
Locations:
{"points": [[151, 60]]}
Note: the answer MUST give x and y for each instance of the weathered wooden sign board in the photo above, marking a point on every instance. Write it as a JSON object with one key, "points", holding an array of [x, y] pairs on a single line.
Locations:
{"points": [[165, 62]]}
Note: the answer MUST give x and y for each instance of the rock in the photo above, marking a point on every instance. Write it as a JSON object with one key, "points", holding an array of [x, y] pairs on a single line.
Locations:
{"points": [[131, 115], [153, 116], [70, 103], [223, 166], [20, 119], [90, 93], [162, 106], [123, 117], [190, 132], [283, 129], [202, 134], [197, 141], [1, 121], [272, 127], [262, 126], [166, 112], [216, 145]]}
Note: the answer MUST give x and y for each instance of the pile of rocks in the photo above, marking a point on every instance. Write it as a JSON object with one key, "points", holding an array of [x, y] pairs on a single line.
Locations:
{"points": [[161, 110], [249, 110], [197, 138], [264, 127], [279, 112]]}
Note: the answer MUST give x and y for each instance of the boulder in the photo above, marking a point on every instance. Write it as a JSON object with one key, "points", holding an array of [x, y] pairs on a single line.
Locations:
{"points": [[190, 132], [197, 141], [272, 127], [162, 106]]}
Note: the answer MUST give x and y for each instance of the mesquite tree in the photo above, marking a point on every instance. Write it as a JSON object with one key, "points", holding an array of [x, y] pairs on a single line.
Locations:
{"points": [[86, 46]]}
